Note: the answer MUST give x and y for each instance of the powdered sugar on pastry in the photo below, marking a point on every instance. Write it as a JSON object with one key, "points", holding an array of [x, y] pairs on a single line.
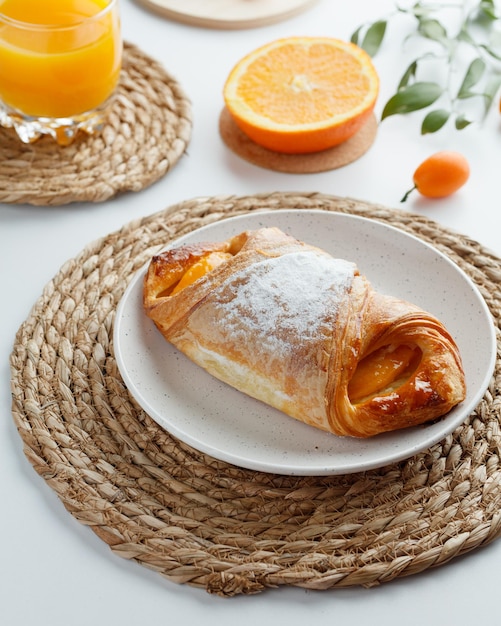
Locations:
{"points": [[283, 300]]}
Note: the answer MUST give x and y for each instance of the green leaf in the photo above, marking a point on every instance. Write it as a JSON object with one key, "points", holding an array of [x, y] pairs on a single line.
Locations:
{"points": [[473, 74], [434, 121], [419, 9], [412, 98], [488, 9], [374, 37], [490, 91], [493, 53], [465, 36], [432, 29], [408, 75], [355, 38], [462, 122]]}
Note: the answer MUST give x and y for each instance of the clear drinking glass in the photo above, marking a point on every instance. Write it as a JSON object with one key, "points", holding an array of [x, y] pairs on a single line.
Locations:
{"points": [[60, 62]]}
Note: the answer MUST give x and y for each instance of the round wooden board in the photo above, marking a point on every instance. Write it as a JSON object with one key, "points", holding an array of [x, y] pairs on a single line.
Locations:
{"points": [[331, 159], [228, 14]]}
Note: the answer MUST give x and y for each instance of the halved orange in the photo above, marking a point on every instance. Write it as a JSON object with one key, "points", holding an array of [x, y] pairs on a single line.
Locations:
{"points": [[302, 94]]}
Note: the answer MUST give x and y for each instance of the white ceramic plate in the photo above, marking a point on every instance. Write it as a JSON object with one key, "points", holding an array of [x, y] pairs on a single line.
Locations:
{"points": [[226, 424]]}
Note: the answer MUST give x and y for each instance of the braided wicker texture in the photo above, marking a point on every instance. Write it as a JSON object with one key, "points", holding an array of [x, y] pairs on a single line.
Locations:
{"points": [[209, 524], [145, 135]]}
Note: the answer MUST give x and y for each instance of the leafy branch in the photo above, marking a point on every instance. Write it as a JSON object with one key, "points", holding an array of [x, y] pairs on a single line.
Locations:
{"points": [[477, 37]]}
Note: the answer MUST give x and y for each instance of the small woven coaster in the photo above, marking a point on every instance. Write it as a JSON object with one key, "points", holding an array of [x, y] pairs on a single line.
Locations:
{"points": [[330, 159], [146, 133], [206, 523]]}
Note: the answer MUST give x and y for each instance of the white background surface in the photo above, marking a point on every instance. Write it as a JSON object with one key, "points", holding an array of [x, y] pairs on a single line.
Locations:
{"points": [[54, 570]]}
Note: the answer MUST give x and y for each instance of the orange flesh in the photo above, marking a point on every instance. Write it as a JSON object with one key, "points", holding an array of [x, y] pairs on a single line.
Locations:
{"points": [[291, 87], [302, 94], [200, 268], [378, 371]]}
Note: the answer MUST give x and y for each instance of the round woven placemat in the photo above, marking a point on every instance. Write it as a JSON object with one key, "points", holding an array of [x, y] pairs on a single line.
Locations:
{"points": [[145, 134], [203, 522]]}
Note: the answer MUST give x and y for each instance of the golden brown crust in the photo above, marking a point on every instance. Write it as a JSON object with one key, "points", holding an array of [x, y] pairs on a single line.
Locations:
{"points": [[166, 268], [287, 324]]}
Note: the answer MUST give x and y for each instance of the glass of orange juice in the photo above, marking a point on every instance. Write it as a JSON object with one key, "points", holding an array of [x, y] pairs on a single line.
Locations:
{"points": [[60, 63]]}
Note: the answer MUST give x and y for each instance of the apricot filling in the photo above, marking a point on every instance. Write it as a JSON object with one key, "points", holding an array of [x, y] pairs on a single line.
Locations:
{"points": [[203, 266], [382, 371]]}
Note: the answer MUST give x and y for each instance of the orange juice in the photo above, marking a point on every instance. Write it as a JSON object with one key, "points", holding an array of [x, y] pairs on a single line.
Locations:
{"points": [[58, 58]]}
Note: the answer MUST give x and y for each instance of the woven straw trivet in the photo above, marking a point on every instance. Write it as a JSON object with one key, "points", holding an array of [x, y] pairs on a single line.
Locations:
{"points": [[145, 134], [203, 522]]}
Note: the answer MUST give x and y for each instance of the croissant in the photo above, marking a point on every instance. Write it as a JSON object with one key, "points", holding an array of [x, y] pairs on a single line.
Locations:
{"points": [[306, 333]]}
